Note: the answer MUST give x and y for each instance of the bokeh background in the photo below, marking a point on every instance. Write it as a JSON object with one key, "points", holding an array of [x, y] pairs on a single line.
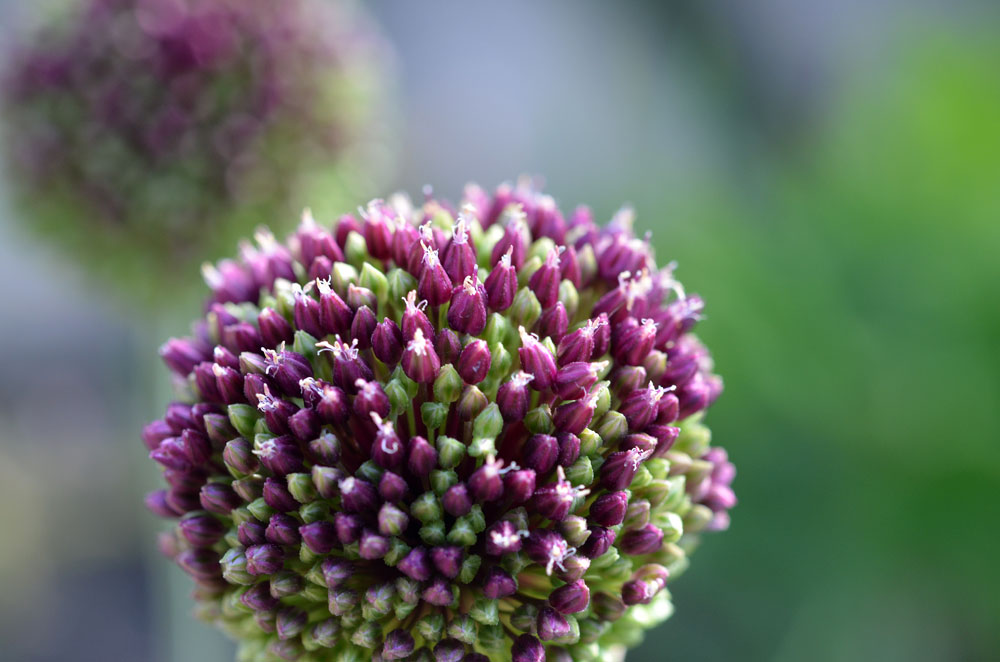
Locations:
{"points": [[828, 177]]}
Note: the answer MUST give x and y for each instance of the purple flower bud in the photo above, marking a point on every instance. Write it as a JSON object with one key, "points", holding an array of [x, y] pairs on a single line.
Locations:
{"points": [[554, 500], [363, 327], [378, 229], [420, 361], [635, 342], [387, 342], [282, 530], [646, 540], [486, 483], [501, 284], [551, 624], [569, 448], [304, 424], [548, 549], [434, 285], [314, 242], [182, 354], [219, 498], [540, 452], [325, 449], [197, 448], [519, 485], [358, 495], [503, 537], [554, 322], [609, 509], [274, 329], [202, 530], [498, 584], [416, 565], [573, 380], [598, 543], [204, 380], [414, 318], [447, 560], [574, 417], [447, 345], [474, 362], [545, 281], [537, 360], [456, 501], [336, 572], [278, 497], [602, 335], [345, 225], [512, 246], [250, 533], [306, 314], [202, 564], [438, 593], [392, 487], [527, 649], [619, 468], [398, 645], [577, 346], [371, 399], [571, 598], [422, 457], [229, 384], [348, 366], [258, 597], [280, 455], [513, 397], [373, 546], [449, 650], [335, 316], [264, 559], [467, 313], [640, 407], [320, 269], [329, 401], [459, 257], [154, 433]]}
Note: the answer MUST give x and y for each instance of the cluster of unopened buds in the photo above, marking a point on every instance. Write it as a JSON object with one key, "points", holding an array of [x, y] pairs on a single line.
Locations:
{"points": [[441, 434]]}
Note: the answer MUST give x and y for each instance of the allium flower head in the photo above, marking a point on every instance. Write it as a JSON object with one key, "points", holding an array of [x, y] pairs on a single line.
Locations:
{"points": [[440, 433], [146, 134]]}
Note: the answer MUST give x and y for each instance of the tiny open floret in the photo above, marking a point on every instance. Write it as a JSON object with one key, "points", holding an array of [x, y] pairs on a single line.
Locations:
{"points": [[427, 438]]}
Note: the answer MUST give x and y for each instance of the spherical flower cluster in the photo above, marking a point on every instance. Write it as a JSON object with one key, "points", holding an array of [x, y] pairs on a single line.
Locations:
{"points": [[143, 133], [441, 434]]}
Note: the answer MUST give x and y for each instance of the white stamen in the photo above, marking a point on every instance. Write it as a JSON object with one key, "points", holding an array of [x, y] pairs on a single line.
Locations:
{"points": [[469, 284], [265, 401], [431, 258], [308, 222], [213, 277], [419, 345], [505, 258], [411, 302], [267, 449], [521, 378]]}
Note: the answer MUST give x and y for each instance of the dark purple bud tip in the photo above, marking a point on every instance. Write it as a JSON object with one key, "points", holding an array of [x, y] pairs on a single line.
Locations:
{"points": [[320, 537], [551, 624], [398, 645], [416, 565], [264, 559], [474, 362], [202, 530], [609, 509], [498, 584], [447, 560], [439, 593], [527, 649], [645, 540], [571, 598]]}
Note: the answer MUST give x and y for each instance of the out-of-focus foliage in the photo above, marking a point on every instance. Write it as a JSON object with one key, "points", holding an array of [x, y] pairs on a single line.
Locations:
{"points": [[856, 307], [145, 136]]}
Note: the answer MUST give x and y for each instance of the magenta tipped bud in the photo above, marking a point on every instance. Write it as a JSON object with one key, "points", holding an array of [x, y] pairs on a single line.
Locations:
{"points": [[274, 329], [645, 540], [486, 483], [541, 452], [447, 345], [467, 313], [392, 487], [456, 500], [527, 649], [414, 318], [182, 354], [447, 560], [545, 281], [416, 565], [420, 361], [363, 327], [459, 255], [574, 417], [264, 559], [554, 322], [372, 545], [498, 584], [320, 537], [609, 509], [474, 362], [348, 527], [501, 285], [202, 530], [537, 361], [219, 498], [551, 624], [571, 598], [554, 501], [434, 285], [398, 645], [503, 537], [422, 457], [277, 496], [519, 485], [387, 342], [598, 543], [513, 397], [358, 495]]}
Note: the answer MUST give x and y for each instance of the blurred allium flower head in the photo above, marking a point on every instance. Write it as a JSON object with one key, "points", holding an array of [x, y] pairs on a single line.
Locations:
{"points": [[141, 134], [441, 433]]}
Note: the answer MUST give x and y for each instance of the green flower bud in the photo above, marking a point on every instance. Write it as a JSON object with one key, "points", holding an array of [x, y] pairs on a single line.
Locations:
{"points": [[400, 284], [590, 442], [397, 552], [539, 420], [697, 518], [489, 423], [448, 385], [426, 508], [485, 611], [523, 618], [525, 310], [234, 568], [524, 274], [399, 399], [603, 400], [498, 330], [482, 446], [243, 419], [314, 512], [581, 472], [470, 567], [464, 629], [370, 471], [301, 487], [260, 510], [461, 534], [442, 479], [305, 344], [570, 298], [342, 276], [356, 250], [612, 428], [368, 634], [431, 626], [374, 280], [637, 515], [492, 638], [450, 452], [471, 403], [574, 530], [249, 488], [434, 414]]}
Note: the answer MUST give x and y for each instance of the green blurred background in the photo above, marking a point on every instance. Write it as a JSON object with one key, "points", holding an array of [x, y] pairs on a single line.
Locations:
{"points": [[827, 176]]}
